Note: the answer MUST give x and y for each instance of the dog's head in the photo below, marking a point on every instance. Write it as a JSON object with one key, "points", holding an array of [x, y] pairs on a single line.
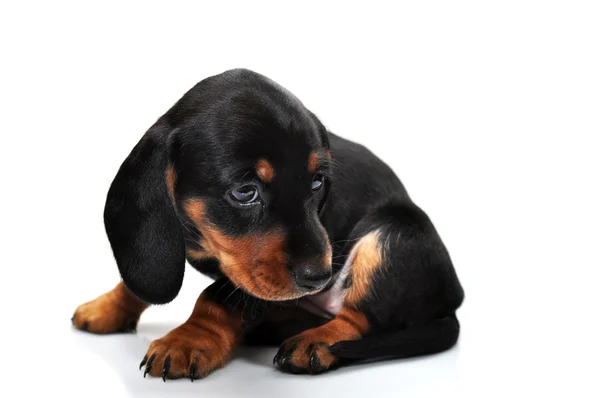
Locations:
{"points": [[238, 171]]}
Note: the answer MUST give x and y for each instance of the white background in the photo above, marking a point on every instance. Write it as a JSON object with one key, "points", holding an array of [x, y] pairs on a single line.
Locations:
{"points": [[488, 111]]}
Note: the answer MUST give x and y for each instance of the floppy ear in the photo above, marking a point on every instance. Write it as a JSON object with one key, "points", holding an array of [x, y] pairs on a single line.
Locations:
{"points": [[141, 223]]}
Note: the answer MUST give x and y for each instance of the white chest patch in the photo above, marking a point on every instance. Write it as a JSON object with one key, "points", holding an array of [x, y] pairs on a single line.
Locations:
{"points": [[328, 303]]}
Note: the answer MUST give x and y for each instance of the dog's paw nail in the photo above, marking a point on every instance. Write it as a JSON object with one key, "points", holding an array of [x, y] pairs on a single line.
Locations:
{"points": [[315, 365], [193, 371], [166, 368], [149, 365], [143, 362], [285, 361]]}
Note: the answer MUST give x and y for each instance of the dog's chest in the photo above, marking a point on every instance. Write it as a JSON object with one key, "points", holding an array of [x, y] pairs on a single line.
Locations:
{"points": [[328, 303]]}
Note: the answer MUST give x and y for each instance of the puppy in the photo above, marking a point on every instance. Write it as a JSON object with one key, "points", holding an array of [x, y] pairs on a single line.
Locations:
{"points": [[312, 241]]}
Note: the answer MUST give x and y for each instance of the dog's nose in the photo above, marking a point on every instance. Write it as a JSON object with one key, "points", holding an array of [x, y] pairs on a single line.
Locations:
{"points": [[309, 280]]}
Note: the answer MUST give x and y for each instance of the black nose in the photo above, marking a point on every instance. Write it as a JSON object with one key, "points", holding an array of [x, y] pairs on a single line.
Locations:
{"points": [[308, 279]]}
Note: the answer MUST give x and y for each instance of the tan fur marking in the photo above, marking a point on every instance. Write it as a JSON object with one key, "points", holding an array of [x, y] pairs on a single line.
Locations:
{"points": [[199, 254], [206, 339], [265, 170], [349, 324], [366, 260], [313, 162], [117, 310], [171, 179], [257, 263], [328, 258]]}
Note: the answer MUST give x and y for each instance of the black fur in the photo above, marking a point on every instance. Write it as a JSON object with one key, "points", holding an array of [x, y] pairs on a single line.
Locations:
{"points": [[213, 137]]}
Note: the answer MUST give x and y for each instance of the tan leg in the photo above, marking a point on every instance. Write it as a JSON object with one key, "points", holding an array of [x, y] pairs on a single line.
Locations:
{"points": [[116, 311], [308, 352], [202, 344]]}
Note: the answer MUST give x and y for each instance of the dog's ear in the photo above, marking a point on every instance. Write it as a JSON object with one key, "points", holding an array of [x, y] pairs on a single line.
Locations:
{"points": [[142, 224]]}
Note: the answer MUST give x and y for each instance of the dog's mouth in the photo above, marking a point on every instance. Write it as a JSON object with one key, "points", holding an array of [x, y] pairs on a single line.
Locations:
{"points": [[272, 278], [271, 281], [276, 283], [267, 274]]}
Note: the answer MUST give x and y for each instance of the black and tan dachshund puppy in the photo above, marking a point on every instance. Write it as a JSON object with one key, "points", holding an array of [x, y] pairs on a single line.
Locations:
{"points": [[313, 242]]}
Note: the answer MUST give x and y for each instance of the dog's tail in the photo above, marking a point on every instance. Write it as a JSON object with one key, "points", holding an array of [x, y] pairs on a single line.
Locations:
{"points": [[432, 338]]}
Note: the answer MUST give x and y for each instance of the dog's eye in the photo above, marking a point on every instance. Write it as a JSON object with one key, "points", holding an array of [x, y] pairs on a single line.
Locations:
{"points": [[317, 182], [244, 194]]}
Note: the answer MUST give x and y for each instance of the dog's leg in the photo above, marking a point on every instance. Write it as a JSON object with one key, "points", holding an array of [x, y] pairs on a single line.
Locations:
{"points": [[402, 292], [308, 352], [205, 341], [116, 311]]}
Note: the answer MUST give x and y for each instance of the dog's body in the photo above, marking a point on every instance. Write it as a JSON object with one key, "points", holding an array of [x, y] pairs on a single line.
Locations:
{"points": [[247, 184]]}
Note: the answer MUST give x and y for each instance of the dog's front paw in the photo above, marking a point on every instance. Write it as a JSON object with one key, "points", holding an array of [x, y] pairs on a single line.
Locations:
{"points": [[308, 352], [305, 353], [188, 351], [106, 314]]}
